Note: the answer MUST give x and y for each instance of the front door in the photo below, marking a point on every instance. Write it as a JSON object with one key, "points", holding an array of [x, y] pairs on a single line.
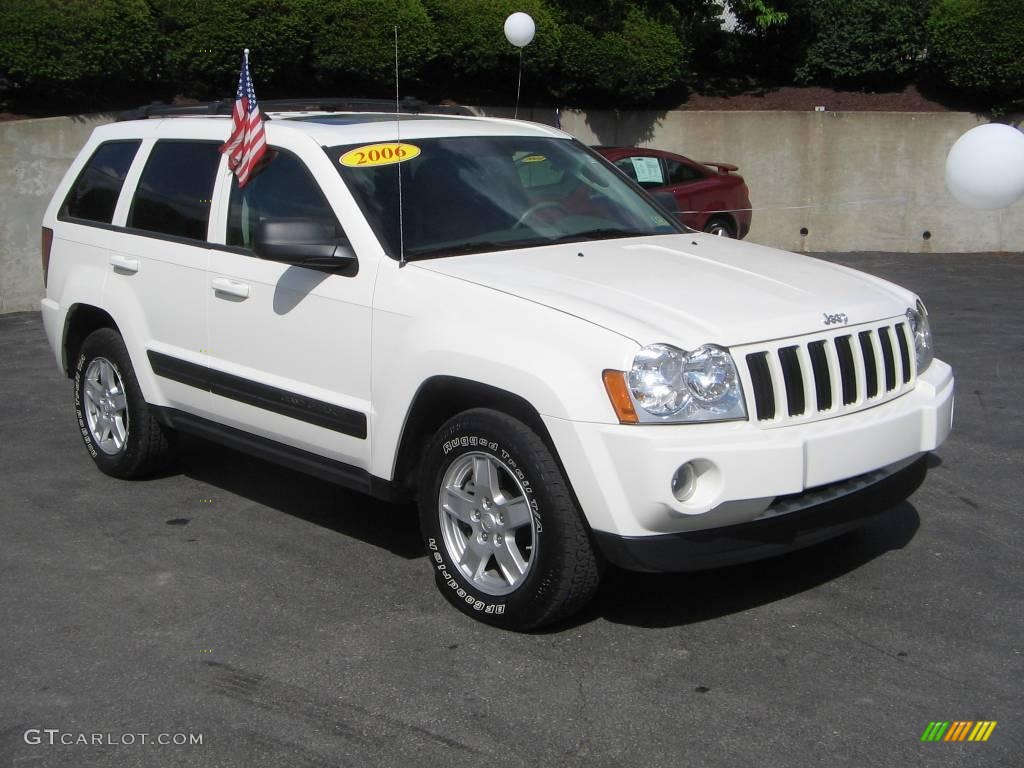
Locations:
{"points": [[289, 355]]}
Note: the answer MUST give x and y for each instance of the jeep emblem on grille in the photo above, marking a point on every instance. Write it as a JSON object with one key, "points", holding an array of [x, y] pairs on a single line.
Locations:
{"points": [[836, 319]]}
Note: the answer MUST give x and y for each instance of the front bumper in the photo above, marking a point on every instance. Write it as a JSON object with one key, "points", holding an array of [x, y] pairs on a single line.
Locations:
{"points": [[622, 474], [765, 537]]}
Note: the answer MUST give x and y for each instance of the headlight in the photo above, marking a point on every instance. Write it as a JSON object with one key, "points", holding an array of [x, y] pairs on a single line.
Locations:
{"points": [[671, 385], [917, 319]]}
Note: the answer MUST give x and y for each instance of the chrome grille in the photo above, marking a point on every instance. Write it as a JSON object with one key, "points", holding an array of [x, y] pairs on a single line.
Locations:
{"points": [[827, 374]]}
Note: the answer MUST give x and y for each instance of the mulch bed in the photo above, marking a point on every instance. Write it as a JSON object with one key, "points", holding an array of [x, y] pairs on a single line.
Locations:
{"points": [[794, 99]]}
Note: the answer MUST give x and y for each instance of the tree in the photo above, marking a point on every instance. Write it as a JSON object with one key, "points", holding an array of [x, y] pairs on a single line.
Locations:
{"points": [[203, 43], [626, 65], [76, 49], [353, 43], [475, 61], [978, 47], [864, 43]]}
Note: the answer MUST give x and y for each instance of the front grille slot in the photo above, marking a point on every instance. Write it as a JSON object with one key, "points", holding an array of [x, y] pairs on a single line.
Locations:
{"points": [[764, 391], [822, 379], [793, 379], [867, 349], [847, 373], [901, 337], [887, 359], [829, 373]]}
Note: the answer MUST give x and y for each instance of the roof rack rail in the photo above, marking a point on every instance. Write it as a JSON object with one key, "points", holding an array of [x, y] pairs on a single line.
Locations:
{"points": [[408, 105]]}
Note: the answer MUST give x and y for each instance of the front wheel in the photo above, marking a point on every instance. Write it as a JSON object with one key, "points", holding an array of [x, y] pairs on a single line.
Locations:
{"points": [[118, 427], [505, 538]]}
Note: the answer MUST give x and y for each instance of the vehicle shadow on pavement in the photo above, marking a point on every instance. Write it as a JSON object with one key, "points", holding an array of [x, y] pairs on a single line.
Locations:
{"points": [[392, 527], [636, 599], [674, 599]]}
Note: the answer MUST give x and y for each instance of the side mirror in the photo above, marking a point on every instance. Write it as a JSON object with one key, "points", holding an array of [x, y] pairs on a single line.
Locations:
{"points": [[302, 242]]}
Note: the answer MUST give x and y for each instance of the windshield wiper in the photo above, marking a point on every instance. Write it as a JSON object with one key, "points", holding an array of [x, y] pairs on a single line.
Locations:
{"points": [[478, 246], [597, 234], [475, 246]]}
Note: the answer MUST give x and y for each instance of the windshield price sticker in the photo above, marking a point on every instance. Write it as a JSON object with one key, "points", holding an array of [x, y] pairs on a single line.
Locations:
{"points": [[648, 170], [379, 154]]}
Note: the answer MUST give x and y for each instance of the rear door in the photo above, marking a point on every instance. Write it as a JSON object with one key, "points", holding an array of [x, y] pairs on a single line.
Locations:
{"points": [[158, 267], [289, 349]]}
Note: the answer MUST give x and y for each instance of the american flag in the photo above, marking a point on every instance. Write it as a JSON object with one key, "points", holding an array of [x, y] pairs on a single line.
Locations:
{"points": [[248, 141]]}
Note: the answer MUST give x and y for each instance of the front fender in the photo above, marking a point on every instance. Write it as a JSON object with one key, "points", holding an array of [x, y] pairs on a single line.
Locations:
{"points": [[427, 325]]}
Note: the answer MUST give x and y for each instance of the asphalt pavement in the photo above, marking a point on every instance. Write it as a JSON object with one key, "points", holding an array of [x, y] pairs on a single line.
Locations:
{"points": [[286, 622]]}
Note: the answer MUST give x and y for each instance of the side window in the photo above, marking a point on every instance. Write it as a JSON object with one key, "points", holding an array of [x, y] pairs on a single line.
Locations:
{"points": [[283, 189], [626, 166], [174, 192], [680, 173], [94, 194], [646, 171]]}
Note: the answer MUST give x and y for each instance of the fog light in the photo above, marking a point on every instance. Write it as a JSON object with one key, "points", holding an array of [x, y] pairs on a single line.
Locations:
{"points": [[684, 482]]}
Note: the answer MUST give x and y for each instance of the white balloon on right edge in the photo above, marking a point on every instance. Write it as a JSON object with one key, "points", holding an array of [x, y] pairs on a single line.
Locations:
{"points": [[985, 167]]}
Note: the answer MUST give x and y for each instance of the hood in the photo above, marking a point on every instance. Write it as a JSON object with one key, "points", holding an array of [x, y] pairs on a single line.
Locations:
{"points": [[686, 290]]}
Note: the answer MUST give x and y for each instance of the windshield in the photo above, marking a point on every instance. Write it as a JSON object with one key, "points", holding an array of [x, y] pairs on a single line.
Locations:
{"points": [[471, 194]]}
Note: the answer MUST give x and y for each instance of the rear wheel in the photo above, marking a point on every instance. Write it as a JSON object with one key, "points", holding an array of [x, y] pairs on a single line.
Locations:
{"points": [[117, 426], [720, 227], [506, 540]]}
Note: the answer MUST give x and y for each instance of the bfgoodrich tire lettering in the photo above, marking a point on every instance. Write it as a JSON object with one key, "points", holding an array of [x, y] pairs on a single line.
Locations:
{"points": [[116, 424], [495, 485]]}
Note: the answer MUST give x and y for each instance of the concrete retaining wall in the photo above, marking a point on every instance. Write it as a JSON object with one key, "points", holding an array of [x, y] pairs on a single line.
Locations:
{"points": [[856, 181], [34, 154]]}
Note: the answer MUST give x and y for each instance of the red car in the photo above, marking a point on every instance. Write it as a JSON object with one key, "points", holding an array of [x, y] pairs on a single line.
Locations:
{"points": [[710, 196]]}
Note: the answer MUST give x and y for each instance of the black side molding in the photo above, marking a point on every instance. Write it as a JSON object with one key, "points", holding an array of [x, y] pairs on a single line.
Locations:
{"points": [[285, 455], [280, 401]]}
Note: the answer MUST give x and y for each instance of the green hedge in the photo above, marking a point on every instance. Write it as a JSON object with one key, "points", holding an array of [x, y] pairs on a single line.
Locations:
{"points": [[352, 42], [629, 66], [68, 55], [978, 47], [104, 51], [864, 43], [202, 43], [74, 49], [476, 62]]}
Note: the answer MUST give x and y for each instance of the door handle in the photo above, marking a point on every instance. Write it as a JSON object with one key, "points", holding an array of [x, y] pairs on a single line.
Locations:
{"points": [[230, 287], [124, 264]]}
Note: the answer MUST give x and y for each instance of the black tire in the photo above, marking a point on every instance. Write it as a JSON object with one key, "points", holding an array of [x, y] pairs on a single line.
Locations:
{"points": [[564, 569], [144, 444], [720, 225]]}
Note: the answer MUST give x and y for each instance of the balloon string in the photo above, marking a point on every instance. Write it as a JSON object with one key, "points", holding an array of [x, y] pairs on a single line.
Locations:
{"points": [[519, 84], [876, 200]]}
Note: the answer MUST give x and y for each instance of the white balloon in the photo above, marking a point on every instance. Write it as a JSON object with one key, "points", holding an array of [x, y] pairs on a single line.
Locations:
{"points": [[985, 167], [520, 29]]}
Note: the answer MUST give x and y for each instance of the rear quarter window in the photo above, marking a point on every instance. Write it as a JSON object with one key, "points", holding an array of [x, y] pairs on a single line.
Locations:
{"points": [[94, 194], [175, 190]]}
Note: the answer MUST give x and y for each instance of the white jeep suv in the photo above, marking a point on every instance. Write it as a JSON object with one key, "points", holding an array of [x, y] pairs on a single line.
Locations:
{"points": [[484, 316]]}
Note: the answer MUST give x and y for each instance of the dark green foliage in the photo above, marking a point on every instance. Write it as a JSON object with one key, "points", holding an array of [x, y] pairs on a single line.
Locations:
{"points": [[758, 51], [863, 43], [68, 55], [475, 61], [203, 42], [75, 48], [978, 47], [621, 66], [353, 43]]}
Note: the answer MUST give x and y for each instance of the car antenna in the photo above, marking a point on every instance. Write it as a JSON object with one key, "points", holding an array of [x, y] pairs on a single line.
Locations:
{"points": [[398, 165]]}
